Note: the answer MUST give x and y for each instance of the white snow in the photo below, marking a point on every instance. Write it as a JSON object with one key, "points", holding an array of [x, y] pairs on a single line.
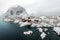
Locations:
{"points": [[45, 29], [39, 25], [16, 21], [25, 23], [57, 29], [7, 20], [58, 24], [40, 29], [45, 24], [43, 35], [33, 25], [58, 17], [28, 32], [20, 22], [42, 21], [42, 17]]}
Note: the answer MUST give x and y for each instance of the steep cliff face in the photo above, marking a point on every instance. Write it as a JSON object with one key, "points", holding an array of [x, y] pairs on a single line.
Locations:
{"points": [[17, 11]]}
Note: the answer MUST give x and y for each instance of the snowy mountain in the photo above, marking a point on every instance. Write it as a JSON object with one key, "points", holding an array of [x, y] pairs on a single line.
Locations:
{"points": [[16, 11]]}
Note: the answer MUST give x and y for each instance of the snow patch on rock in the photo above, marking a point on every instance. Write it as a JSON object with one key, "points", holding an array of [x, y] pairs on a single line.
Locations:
{"points": [[40, 29], [43, 35], [27, 32]]}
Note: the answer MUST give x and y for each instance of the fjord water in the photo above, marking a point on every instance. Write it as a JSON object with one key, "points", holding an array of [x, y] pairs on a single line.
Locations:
{"points": [[11, 31]]}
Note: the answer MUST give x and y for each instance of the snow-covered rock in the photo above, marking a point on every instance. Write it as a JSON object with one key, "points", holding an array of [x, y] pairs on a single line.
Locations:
{"points": [[40, 29], [57, 30], [42, 17], [45, 24], [25, 24], [45, 29], [8, 20], [58, 24], [28, 32], [58, 17], [43, 35], [33, 25], [16, 21], [39, 25]]}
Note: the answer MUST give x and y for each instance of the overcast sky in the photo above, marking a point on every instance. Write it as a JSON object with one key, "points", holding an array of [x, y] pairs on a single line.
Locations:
{"points": [[36, 7]]}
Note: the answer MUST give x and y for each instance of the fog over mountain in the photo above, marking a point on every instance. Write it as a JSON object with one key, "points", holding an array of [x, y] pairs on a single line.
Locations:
{"points": [[35, 7]]}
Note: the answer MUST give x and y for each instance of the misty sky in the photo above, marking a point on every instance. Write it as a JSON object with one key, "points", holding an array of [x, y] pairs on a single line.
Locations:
{"points": [[33, 7]]}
